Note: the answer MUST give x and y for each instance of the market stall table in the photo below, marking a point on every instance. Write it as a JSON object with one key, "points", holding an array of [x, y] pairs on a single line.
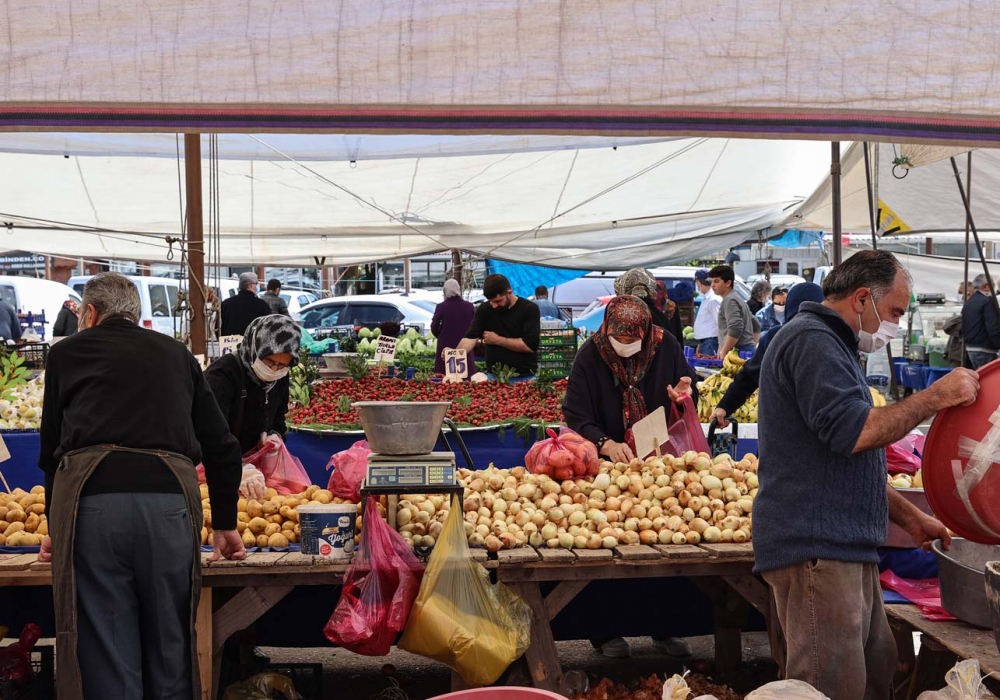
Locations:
{"points": [[236, 594]]}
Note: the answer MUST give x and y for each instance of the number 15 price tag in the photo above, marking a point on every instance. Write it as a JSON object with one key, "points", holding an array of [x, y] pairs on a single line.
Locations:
{"points": [[456, 365]]}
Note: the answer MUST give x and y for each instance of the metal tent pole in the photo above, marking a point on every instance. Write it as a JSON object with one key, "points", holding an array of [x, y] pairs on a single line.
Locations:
{"points": [[838, 253], [971, 222], [965, 278]]}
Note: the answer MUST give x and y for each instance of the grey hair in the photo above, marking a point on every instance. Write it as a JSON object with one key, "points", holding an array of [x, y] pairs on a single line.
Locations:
{"points": [[113, 294], [869, 269], [760, 290], [247, 280], [979, 281]]}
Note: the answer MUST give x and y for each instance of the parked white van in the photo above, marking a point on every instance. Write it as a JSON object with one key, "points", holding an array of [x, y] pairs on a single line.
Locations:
{"points": [[159, 299], [36, 296]]}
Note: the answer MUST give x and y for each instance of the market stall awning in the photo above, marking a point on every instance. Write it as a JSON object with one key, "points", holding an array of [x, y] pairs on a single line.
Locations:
{"points": [[587, 203], [759, 68]]}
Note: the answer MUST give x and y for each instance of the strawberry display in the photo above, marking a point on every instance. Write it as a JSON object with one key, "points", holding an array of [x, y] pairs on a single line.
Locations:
{"points": [[480, 404]]}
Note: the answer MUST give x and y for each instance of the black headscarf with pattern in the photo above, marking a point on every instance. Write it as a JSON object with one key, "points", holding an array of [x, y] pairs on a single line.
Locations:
{"points": [[269, 335]]}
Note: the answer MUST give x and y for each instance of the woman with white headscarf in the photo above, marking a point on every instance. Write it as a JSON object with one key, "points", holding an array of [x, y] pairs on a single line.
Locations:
{"points": [[451, 322]]}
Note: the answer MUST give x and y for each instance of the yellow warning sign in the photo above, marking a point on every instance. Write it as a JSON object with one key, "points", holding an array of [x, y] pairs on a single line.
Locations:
{"points": [[889, 222]]}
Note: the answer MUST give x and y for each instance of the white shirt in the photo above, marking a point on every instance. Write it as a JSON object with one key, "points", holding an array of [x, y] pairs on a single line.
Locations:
{"points": [[706, 325]]}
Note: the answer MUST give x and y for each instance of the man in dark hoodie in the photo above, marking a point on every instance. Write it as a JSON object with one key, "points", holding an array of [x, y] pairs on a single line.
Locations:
{"points": [[747, 379]]}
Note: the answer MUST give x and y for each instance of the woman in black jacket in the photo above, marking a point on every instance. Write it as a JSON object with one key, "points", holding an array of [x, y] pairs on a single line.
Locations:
{"points": [[251, 384], [66, 321]]}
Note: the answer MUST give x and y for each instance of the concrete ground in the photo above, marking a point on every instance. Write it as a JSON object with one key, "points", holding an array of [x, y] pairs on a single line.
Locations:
{"points": [[405, 676]]}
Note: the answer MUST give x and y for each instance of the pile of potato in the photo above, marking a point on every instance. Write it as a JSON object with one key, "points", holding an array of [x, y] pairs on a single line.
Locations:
{"points": [[22, 518], [661, 500], [273, 522]]}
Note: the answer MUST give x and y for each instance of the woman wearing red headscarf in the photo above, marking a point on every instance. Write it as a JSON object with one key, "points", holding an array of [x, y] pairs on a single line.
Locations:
{"points": [[627, 369]]}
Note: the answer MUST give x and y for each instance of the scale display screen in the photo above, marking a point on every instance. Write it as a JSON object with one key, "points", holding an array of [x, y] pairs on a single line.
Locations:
{"points": [[410, 475]]}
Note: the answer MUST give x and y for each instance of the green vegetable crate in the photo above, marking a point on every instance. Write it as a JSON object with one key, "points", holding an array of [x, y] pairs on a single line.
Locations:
{"points": [[556, 351]]}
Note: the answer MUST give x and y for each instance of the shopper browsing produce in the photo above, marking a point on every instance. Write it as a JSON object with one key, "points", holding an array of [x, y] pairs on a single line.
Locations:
{"points": [[240, 310], [758, 296], [509, 326], [66, 322], [272, 297], [818, 424], [251, 387], [127, 416], [706, 323], [638, 282], [627, 369], [452, 318], [737, 327], [747, 380]]}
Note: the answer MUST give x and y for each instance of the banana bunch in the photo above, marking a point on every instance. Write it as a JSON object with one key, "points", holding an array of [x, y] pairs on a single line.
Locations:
{"points": [[876, 397], [714, 388]]}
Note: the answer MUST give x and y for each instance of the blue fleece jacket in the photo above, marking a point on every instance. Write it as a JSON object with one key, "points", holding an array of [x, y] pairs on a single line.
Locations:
{"points": [[817, 499]]}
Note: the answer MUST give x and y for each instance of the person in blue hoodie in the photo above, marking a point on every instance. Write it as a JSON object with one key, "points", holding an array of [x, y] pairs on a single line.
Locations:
{"points": [[773, 313], [747, 379]]}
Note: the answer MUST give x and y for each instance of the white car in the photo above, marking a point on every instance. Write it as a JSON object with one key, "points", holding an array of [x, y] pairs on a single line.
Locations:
{"points": [[368, 311]]}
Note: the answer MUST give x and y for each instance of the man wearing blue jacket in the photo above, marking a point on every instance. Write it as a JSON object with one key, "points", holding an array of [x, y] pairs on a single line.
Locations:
{"points": [[824, 505]]}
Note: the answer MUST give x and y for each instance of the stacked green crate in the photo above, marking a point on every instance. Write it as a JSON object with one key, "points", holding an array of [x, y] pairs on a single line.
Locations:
{"points": [[556, 350]]}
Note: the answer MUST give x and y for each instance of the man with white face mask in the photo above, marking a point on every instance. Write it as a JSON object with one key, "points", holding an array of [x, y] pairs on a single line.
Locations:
{"points": [[822, 449]]}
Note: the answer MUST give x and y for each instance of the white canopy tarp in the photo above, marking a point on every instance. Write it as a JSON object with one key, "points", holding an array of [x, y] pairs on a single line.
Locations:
{"points": [[879, 69], [593, 204], [927, 199]]}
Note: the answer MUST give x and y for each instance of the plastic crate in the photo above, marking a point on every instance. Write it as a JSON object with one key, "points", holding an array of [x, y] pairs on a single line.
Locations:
{"points": [[34, 354], [42, 683]]}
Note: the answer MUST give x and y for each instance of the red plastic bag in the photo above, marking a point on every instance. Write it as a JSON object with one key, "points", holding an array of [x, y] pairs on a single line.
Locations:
{"points": [[900, 458], [349, 469], [379, 590], [15, 660], [684, 430], [924, 593], [282, 470], [563, 456]]}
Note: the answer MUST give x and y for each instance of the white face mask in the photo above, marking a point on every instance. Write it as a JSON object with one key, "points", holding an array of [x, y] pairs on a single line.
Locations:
{"points": [[625, 349], [779, 312], [266, 374], [873, 342]]}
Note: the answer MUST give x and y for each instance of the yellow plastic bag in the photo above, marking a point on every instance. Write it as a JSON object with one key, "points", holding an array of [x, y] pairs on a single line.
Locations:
{"points": [[460, 618]]}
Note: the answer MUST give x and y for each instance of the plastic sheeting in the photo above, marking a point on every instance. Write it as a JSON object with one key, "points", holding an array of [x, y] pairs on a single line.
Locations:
{"points": [[524, 279], [591, 208], [767, 68]]}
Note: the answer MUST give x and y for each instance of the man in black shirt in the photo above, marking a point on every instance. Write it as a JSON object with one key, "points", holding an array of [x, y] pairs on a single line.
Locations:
{"points": [[240, 310], [508, 325], [127, 416]]}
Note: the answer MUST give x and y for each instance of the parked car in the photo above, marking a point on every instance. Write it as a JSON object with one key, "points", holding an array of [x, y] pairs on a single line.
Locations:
{"points": [[581, 292], [36, 296], [776, 280], [159, 299], [367, 311], [593, 316]]}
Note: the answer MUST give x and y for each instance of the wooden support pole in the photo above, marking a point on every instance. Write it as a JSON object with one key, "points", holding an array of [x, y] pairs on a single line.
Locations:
{"points": [[195, 241], [838, 245], [456, 265]]}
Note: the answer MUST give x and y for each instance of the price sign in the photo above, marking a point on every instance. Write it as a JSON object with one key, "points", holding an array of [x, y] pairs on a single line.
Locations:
{"points": [[650, 434], [456, 365], [385, 349], [229, 343]]}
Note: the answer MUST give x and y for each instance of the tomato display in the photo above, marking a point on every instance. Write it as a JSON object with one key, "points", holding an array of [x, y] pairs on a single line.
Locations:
{"points": [[472, 404]]}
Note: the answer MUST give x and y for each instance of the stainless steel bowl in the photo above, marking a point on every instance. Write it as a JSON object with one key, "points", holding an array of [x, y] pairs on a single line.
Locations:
{"points": [[402, 427], [336, 361], [962, 572], [993, 596]]}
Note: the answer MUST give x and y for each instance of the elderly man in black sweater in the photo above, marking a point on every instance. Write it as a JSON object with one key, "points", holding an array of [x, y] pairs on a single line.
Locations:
{"points": [[240, 310], [127, 416]]}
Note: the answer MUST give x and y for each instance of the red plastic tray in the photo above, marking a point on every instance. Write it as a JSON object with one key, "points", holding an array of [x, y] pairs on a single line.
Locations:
{"points": [[942, 449]]}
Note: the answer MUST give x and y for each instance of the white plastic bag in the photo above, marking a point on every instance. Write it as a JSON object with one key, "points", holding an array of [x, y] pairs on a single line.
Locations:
{"points": [[964, 682], [676, 688], [786, 690]]}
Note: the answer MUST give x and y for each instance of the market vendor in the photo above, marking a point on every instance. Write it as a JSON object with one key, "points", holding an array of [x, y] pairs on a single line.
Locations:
{"points": [[627, 369], [508, 325], [747, 380], [127, 416], [824, 505], [251, 386]]}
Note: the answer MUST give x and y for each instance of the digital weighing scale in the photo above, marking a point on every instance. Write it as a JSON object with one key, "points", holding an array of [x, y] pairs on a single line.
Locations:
{"points": [[396, 475]]}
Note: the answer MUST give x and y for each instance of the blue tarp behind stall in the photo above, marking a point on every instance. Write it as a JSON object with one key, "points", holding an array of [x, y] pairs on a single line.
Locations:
{"points": [[525, 278]]}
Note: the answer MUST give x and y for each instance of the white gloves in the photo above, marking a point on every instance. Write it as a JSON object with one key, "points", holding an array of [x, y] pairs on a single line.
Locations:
{"points": [[252, 484]]}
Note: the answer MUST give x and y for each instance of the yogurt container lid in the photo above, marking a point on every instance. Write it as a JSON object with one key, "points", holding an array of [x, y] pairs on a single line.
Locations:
{"points": [[329, 508]]}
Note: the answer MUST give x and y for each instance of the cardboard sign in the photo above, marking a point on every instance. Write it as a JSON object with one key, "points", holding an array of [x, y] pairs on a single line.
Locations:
{"points": [[456, 364], [650, 433], [4, 452], [229, 343], [385, 349]]}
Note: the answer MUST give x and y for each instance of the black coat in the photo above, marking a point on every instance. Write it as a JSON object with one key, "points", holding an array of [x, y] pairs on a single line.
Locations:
{"points": [[979, 323], [240, 310], [253, 414], [593, 403], [66, 323]]}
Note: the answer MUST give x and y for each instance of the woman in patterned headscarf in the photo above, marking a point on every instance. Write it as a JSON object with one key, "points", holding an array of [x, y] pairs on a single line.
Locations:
{"points": [[639, 282], [251, 384], [627, 369]]}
